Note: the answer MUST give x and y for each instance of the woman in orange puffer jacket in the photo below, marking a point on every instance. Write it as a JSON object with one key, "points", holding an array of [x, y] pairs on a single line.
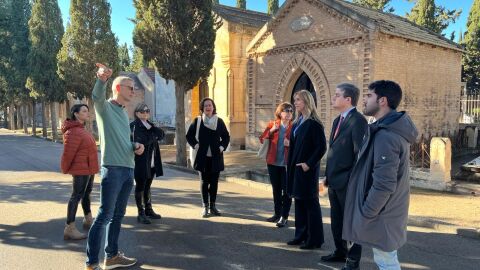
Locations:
{"points": [[80, 159]]}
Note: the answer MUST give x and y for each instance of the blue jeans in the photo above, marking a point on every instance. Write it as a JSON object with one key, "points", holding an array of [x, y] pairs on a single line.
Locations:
{"points": [[386, 260], [116, 185]]}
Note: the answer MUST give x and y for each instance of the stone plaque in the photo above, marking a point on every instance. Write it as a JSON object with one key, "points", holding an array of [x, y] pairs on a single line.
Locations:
{"points": [[301, 23]]}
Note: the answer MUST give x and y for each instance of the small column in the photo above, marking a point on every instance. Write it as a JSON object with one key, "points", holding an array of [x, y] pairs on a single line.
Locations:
{"points": [[440, 160]]}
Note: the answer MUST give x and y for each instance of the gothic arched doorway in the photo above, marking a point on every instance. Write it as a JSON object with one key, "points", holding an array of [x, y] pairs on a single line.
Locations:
{"points": [[304, 83]]}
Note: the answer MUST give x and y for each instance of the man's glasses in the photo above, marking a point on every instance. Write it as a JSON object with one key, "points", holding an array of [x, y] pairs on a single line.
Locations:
{"points": [[129, 87], [144, 111]]}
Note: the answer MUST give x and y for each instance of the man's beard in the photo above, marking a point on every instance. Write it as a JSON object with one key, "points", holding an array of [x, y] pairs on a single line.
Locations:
{"points": [[371, 111]]}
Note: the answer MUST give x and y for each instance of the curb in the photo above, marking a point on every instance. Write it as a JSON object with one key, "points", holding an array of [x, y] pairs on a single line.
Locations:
{"points": [[439, 225], [248, 183], [179, 168], [469, 232], [428, 223]]}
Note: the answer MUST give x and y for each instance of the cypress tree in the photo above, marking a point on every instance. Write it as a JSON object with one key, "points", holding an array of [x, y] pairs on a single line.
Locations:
{"points": [[21, 10], [242, 4], [179, 36], [88, 39], [435, 18], [471, 59], [381, 5], [6, 36], [46, 30], [14, 48], [215, 1], [272, 7], [123, 57], [138, 61]]}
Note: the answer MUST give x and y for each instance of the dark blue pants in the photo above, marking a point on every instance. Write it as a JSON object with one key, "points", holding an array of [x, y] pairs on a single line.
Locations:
{"points": [[116, 185]]}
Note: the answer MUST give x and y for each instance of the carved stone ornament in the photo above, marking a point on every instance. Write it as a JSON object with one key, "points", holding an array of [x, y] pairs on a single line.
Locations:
{"points": [[301, 23]]}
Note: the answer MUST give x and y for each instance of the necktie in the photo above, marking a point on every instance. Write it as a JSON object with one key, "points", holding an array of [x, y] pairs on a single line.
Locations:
{"points": [[338, 127]]}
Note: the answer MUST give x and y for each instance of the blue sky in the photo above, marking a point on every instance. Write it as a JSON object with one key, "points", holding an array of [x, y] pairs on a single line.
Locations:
{"points": [[122, 10]]}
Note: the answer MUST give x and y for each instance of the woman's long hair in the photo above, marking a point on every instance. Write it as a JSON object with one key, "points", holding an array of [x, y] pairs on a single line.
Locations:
{"points": [[310, 109], [76, 109]]}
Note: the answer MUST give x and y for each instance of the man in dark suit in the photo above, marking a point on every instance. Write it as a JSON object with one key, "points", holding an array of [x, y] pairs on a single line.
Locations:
{"points": [[346, 138]]}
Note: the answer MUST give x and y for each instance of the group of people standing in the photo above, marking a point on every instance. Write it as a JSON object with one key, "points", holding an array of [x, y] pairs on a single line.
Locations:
{"points": [[366, 172], [128, 151]]}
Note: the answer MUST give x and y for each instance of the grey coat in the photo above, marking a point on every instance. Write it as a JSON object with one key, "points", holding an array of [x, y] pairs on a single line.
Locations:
{"points": [[376, 207]]}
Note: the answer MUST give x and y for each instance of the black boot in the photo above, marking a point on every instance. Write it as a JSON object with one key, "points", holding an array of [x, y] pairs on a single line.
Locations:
{"points": [[141, 218], [205, 210], [214, 210], [148, 207]]}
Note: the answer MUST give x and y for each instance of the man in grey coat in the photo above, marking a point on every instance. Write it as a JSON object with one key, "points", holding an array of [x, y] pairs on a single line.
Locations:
{"points": [[376, 207]]}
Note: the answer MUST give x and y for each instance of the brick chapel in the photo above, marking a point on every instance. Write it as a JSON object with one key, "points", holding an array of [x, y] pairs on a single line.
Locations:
{"points": [[261, 61]]}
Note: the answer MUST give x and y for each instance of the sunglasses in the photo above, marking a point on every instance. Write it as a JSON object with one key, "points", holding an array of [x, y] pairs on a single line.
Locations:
{"points": [[144, 111], [288, 111], [129, 87]]}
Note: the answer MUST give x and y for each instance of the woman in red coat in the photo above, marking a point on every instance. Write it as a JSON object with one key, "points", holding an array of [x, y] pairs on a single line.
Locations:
{"points": [[278, 133], [79, 159]]}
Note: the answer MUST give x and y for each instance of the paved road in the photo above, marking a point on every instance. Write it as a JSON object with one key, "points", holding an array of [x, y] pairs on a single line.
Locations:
{"points": [[33, 198]]}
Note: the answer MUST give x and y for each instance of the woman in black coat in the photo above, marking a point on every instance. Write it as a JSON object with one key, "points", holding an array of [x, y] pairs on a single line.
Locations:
{"points": [[149, 164], [209, 136], [307, 147]]}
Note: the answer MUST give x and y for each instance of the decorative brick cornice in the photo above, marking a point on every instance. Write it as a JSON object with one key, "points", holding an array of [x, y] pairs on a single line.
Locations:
{"points": [[309, 46]]}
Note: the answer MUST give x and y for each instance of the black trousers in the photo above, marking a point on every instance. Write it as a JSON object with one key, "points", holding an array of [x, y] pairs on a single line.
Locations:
{"points": [[209, 183], [278, 178], [337, 207], [143, 185], [82, 187], [308, 221]]}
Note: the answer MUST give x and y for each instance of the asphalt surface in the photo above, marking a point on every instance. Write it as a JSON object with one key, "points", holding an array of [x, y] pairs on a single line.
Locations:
{"points": [[33, 198]]}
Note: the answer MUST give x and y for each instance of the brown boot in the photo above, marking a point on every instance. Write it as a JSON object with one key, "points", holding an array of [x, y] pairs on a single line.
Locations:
{"points": [[71, 233], [87, 221]]}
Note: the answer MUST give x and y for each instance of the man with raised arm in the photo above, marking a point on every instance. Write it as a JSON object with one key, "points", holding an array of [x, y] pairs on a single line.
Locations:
{"points": [[117, 152]]}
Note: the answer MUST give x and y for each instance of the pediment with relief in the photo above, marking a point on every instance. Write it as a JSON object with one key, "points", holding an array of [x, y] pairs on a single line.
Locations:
{"points": [[301, 23]]}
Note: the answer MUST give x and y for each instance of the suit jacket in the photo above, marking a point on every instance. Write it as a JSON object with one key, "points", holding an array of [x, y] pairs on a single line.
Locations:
{"points": [[344, 148], [307, 145]]}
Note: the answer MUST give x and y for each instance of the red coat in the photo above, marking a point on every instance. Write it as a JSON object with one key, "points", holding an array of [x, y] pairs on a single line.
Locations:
{"points": [[79, 150], [272, 148]]}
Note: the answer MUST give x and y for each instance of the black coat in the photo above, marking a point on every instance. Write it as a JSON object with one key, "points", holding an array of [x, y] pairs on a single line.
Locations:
{"points": [[307, 145], [212, 138], [344, 148], [149, 138]]}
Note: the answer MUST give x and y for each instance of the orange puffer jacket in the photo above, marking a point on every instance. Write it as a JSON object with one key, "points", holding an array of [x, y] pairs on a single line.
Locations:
{"points": [[79, 150]]}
